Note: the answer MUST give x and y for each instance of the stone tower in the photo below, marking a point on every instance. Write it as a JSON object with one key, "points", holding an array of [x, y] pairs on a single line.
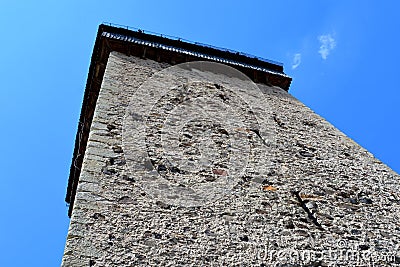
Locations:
{"points": [[190, 155]]}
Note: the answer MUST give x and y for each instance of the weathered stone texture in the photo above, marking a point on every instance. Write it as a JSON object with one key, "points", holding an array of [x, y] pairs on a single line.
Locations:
{"points": [[317, 192]]}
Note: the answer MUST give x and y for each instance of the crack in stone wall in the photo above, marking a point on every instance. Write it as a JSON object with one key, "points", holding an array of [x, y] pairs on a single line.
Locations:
{"points": [[308, 209]]}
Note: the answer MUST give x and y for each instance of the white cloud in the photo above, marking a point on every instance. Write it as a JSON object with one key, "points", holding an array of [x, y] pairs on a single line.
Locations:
{"points": [[328, 43], [296, 61]]}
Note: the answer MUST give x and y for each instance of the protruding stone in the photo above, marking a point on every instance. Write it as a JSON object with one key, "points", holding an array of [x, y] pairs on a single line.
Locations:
{"points": [[117, 149]]}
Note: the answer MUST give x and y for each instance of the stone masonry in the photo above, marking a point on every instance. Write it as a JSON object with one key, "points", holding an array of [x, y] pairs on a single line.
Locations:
{"points": [[306, 194]]}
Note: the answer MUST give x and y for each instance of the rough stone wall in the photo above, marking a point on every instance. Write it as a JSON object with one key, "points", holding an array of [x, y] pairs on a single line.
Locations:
{"points": [[318, 193]]}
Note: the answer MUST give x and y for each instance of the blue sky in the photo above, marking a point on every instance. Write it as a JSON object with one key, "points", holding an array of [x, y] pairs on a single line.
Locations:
{"points": [[343, 57]]}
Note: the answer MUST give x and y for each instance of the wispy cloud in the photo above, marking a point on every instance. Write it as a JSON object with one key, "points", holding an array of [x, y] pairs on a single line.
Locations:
{"points": [[328, 43], [296, 61]]}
